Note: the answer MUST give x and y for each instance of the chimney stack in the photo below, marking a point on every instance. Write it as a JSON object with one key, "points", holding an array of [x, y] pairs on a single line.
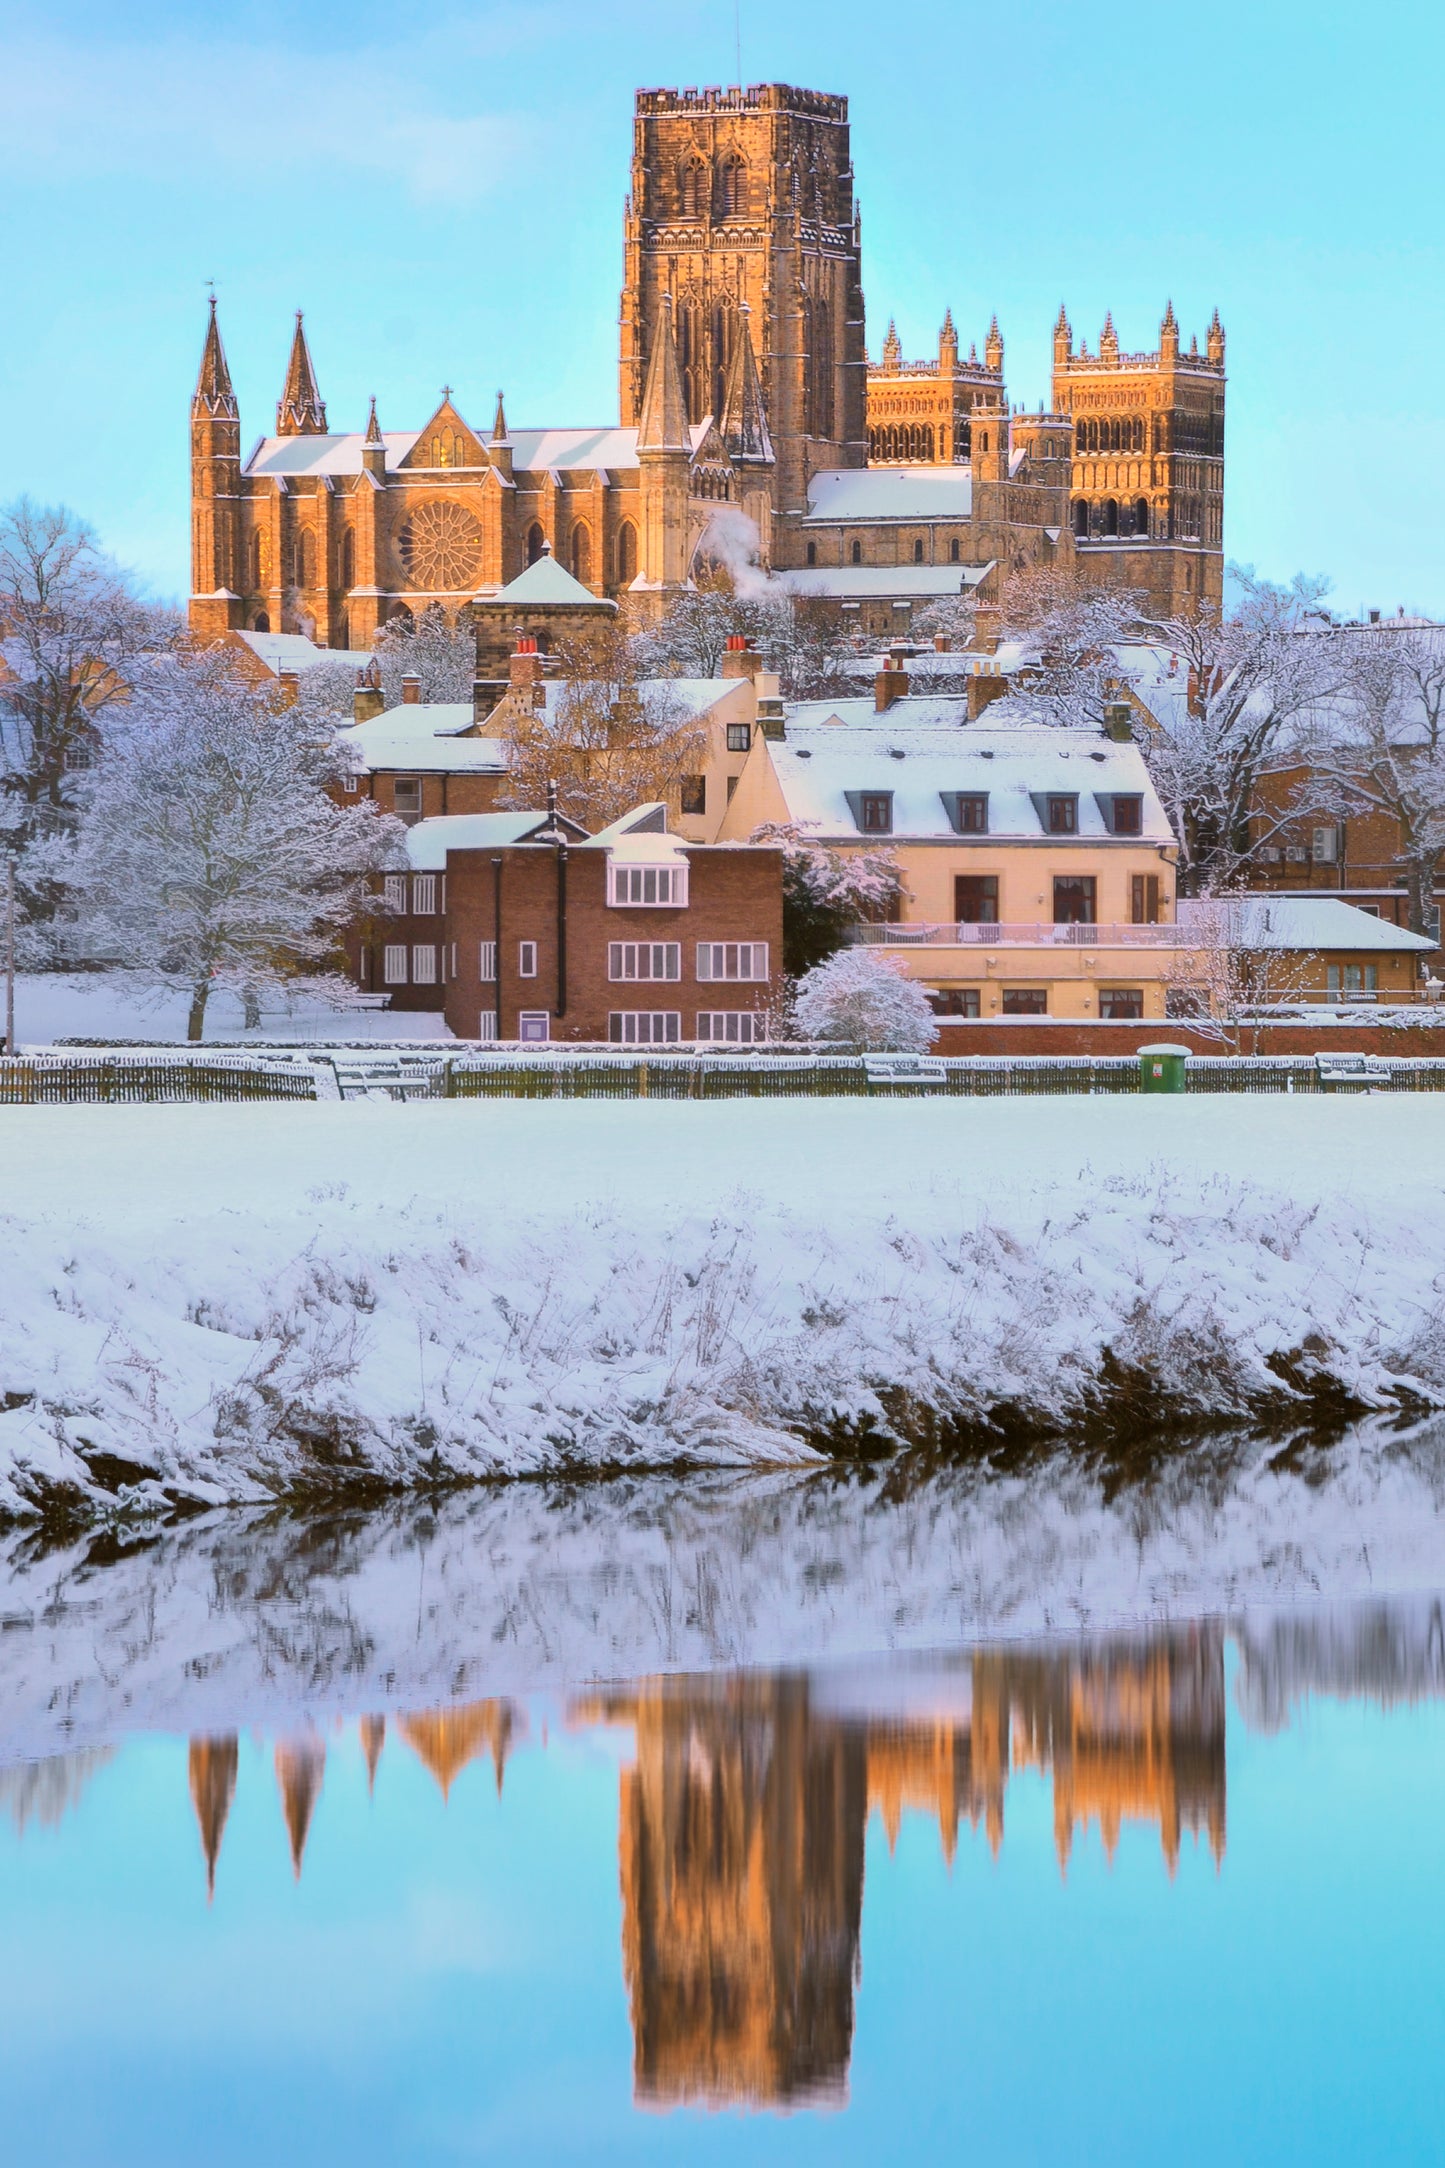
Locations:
{"points": [[942, 645], [368, 698], [984, 687], [290, 684], [411, 690], [526, 663], [739, 661], [890, 684]]}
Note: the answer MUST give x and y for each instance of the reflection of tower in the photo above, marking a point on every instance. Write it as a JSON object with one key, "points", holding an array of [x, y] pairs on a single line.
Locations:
{"points": [[741, 1851], [213, 1787], [447, 1739], [300, 1765], [373, 1739]]}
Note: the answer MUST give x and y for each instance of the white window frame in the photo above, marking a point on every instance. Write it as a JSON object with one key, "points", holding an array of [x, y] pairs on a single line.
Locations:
{"points": [[487, 1024], [487, 963], [631, 962], [731, 1027], [744, 731], [424, 894], [534, 1027], [394, 964], [732, 963], [394, 892], [526, 959], [424, 964], [351, 781], [408, 783], [644, 1027], [628, 885]]}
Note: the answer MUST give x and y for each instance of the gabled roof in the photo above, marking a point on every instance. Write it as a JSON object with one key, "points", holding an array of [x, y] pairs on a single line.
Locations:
{"points": [[293, 651], [1300, 922], [881, 583], [890, 493], [640, 835], [447, 418]]}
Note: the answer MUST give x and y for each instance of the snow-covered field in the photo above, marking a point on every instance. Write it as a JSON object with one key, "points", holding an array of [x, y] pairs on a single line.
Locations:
{"points": [[222, 1303], [117, 1005]]}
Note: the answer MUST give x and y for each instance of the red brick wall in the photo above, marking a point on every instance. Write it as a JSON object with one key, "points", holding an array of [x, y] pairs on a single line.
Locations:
{"points": [[734, 895], [1105, 1040]]}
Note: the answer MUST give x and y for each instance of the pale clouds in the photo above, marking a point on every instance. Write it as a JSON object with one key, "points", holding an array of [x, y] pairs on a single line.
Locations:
{"points": [[172, 110]]}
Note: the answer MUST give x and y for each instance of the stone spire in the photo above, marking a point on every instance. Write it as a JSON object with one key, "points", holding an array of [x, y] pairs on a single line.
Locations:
{"points": [[301, 411], [744, 417], [1215, 339], [892, 346], [214, 400], [213, 1787], [662, 424], [993, 346], [1063, 336], [499, 423], [948, 344], [1169, 335], [373, 426], [1108, 337]]}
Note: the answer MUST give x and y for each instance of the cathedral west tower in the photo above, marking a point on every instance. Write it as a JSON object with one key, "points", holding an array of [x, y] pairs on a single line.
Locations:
{"points": [[742, 211]]}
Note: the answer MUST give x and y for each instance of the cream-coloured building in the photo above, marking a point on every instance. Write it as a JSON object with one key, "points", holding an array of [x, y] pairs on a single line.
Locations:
{"points": [[1037, 866]]}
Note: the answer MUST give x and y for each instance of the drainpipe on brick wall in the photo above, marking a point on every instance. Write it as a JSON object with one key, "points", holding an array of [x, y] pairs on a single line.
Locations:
{"points": [[497, 935]]}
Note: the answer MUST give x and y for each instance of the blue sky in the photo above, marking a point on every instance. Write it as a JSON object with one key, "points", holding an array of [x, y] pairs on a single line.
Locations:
{"points": [[441, 189]]}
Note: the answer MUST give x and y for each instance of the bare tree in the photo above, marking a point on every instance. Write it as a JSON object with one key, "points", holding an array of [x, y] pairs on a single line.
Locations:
{"points": [[1230, 967], [441, 654], [1380, 748], [209, 852], [607, 736], [827, 891], [1072, 634], [71, 626], [1257, 682]]}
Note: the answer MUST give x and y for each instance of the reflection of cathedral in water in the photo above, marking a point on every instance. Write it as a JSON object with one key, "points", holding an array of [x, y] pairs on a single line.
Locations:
{"points": [[742, 1825]]}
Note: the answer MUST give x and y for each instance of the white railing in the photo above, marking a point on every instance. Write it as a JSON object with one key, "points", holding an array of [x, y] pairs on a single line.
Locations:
{"points": [[919, 933]]}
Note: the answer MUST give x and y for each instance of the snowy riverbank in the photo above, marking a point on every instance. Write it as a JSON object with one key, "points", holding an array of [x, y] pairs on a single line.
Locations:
{"points": [[210, 1304]]}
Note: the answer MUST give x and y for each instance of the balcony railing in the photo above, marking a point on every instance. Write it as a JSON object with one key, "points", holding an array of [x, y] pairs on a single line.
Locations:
{"points": [[967, 933]]}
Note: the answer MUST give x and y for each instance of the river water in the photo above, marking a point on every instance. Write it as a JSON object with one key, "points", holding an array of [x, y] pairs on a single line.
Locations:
{"points": [[1073, 1814]]}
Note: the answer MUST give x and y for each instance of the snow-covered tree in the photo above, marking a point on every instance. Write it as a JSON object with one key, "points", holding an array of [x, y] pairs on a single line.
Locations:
{"points": [[1072, 634], [1234, 969], [860, 1000], [1380, 748], [442, 655], [1258, 681], [826, 891], [608, 736], [209, 852], [71, 626], [799, 637]]}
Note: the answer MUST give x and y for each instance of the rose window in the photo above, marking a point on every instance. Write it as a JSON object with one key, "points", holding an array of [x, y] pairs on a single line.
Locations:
{"points": [[441, 547]]}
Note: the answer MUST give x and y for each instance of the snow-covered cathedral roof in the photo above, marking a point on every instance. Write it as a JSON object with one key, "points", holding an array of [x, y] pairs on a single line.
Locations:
{"points": [[890, 493], [533, 450]]}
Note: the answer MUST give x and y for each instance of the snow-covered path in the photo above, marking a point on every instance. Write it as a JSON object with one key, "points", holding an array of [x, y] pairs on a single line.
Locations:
{"points": [[219, 1302]]}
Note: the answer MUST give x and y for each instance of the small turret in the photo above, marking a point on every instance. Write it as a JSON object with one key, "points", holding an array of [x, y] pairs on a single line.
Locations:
{"points": [[892, 346], [373, 445], [1169, 335], [947, 347], [1063, 337], [1108, 339], [664, 457], [1215, 340], [993, 347], [301, 410], [499, 451], [744, 417], [217, 572]]}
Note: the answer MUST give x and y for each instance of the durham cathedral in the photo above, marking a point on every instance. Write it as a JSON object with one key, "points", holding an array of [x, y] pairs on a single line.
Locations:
{"points": [[747, 395]]}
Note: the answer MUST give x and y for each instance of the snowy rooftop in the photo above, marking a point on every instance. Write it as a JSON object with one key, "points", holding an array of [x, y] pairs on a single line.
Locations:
{"points": [[428, 842], [933, 711], [545, 581], [818, 768], [1303, 922], [880, 583], [545, 450], [694, 696], [293, 651], [423, 738], [874, 493]]}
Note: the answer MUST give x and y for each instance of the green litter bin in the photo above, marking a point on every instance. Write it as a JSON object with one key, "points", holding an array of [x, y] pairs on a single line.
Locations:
{"points": [[1162, 1068]]}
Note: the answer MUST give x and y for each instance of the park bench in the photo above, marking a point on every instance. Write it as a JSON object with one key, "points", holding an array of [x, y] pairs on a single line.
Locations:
{"points": [[1352, 1072]]}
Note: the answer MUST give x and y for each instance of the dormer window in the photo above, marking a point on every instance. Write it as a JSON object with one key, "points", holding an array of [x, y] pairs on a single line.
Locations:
{"points": [[967, 811], [872, 811], [1061, 813], [1123, 813], [641, 887]]}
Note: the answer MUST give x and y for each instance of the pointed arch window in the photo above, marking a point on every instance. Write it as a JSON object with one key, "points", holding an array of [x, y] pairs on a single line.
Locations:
{"points": [[536, 542], [626, 554], [348, 558], [692, 190], [305, 558], [733, 187], [581, 554], [258, 561]]}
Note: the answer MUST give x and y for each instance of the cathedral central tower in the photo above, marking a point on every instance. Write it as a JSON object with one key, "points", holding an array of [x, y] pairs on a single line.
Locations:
{"points": [[742, 211]]}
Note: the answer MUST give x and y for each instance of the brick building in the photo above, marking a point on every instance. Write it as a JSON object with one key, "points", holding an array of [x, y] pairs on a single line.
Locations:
{"points": [[519, 926]]}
